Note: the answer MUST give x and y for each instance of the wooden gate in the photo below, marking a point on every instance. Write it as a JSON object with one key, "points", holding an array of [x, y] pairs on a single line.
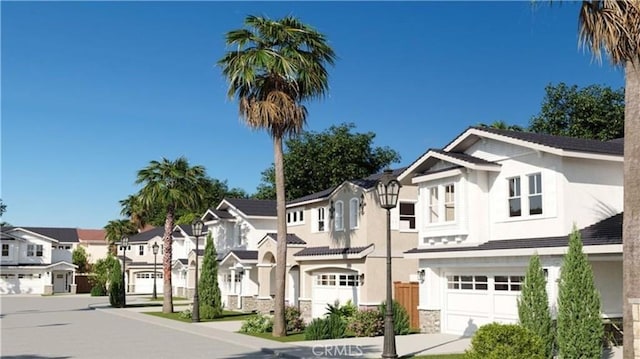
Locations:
{"points": [[407, 295]]}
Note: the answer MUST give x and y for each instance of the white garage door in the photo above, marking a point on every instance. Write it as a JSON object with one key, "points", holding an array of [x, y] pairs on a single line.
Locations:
{"points": [[472, 300], [144, 283], [329, 287], [14, 283]]}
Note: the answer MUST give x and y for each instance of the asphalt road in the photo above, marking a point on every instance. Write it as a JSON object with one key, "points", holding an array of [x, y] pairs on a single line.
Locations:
{"points": [[66, 327]]}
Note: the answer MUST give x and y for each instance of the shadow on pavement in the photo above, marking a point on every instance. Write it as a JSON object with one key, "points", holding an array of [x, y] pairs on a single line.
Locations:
{"points": [[31, 356], [409, 355]]}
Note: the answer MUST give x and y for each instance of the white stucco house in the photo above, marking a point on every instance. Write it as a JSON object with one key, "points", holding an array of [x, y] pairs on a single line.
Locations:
{"points": [[37, 260], [489, 200]]}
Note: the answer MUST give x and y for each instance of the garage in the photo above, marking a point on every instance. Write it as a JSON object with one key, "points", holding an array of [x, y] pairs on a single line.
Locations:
{"points": [[329, 286], [144, 282], [21, 283], [474, 299]]}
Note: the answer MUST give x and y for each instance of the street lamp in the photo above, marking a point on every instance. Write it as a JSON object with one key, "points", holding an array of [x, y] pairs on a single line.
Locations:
{"points": [[125, 243], [155, 248], [388, 189], [197, 232]]}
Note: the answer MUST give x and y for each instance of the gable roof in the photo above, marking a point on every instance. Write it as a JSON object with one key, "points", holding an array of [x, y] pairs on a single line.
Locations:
{"points": [[292, 239], [92, 236], [607, 231], [326, 251], [211, 214], [65, 235], [251, 207], [147, 235]]}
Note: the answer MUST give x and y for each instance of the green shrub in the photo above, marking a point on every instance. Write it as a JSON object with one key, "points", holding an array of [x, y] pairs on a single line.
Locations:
{"points": [[401, 322], [345, 311], [295, 324], [185, 314], [209, 291], [98, 290], [330, 327], [257, 324], [502, 341], [533, 305], [367, 323], [116, 286]]}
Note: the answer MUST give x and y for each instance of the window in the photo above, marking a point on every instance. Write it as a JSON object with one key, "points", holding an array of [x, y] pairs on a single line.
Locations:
{"points": [[535, 193], [449, 203], [339, 213], [5, 250], [407, 215], [295, 217], [326, 279], [514, 197], [433, 205], [34, 250], [141, 250], [467, 282], [321, 216], [508, 283], [354, 205], [348, 280]]}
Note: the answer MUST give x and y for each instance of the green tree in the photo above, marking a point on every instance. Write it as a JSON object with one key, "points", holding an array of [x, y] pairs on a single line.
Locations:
{"points": [[115, 230], [3, 209], [614, 27], [594, 112], [580, 328], [116, 285], [501, 125], [533, 305], [80, 258], [104, 271], [132, 207], [172, 185], [317, 161], [273, 67], [209, 291]]}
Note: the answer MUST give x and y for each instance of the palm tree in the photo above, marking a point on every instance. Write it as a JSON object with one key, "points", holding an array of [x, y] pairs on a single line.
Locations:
{"points": [[171, 185], [501, 125], [274, 67], [132, 208], [614, 27], [115, 230]]}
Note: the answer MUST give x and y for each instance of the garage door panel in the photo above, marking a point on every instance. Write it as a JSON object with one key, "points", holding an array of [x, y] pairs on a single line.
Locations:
{"points": [[505, 305], [331, 286], [472, 302], [465, 324]]}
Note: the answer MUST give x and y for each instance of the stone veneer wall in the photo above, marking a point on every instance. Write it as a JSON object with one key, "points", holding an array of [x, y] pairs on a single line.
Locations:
{"points": [[429, 321], [635, 316], [232, 302], [190, 292], [249, 304], [264, 305], [305, 309]]}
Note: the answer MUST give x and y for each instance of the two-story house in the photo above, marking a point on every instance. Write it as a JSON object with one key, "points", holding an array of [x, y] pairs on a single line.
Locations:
{"points": [[94, 243], [336, 248], [489, 200], [37, 260]]}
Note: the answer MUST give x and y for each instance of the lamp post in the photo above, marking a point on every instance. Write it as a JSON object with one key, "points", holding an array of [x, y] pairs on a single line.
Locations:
{"points": [[197, 232], [155, 248], [125, 243], [388, 189]]}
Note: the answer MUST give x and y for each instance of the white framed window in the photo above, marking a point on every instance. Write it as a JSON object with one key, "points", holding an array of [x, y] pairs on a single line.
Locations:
{"points": [[449, 203], [467, 282], [442, 203], [321, 219], [433, 205], [407, 215], [141, 250], [508, 283], [326, 279], [515, 201], [5, 250], [354, 205], [339, 216], [34, 250], [348, 280], [535, 193], [295, 217]]}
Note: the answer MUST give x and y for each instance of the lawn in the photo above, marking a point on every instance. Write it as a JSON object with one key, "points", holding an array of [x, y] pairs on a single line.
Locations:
{"points": [[298, 337], [227, 315], [439, 356]]}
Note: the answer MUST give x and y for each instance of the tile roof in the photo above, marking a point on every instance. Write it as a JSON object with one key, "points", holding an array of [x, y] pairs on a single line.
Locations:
{"points": [[291, 238], [222, 214], [326, 251], [92, 235], [254, 207], [607, 231], [562, 142], [60, 234], [243, 254]]}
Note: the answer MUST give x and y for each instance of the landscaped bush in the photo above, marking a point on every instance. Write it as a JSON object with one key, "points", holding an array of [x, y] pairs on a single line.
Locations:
{"points": [[367, 323], [346, 311], [401, 322], [98, 290], [292, 317], [185, 314], [257, 324], [501, 341], [330, 327]]}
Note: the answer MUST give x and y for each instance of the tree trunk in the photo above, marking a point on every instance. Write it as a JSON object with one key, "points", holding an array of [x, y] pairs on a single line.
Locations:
{"points": [[167, 299], [279, 325], [631, 219]]}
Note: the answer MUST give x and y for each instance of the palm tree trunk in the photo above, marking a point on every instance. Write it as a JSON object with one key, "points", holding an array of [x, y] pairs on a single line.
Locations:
{"points": [[631, 220], [167, 300], [279, 325]]}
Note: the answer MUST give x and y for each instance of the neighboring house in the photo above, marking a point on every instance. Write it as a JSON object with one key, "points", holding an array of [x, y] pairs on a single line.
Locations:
{"points": [[94, 242], [337, 248], [37, 260], [492, 198], [236, 226]]}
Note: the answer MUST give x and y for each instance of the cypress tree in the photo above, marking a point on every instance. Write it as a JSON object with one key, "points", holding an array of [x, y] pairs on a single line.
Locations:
{"points": [[209, 291], [580, 328], [533, 305]]}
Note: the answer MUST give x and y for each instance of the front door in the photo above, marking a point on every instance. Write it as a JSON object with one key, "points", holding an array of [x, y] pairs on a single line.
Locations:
{"points": [[59, 282]]}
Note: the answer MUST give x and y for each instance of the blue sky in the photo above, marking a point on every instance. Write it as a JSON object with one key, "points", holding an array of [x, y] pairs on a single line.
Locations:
{"points": [[93, 91]]}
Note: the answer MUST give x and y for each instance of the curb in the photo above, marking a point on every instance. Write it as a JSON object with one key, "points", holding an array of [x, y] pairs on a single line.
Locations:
{"points": [[279, 353]]}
